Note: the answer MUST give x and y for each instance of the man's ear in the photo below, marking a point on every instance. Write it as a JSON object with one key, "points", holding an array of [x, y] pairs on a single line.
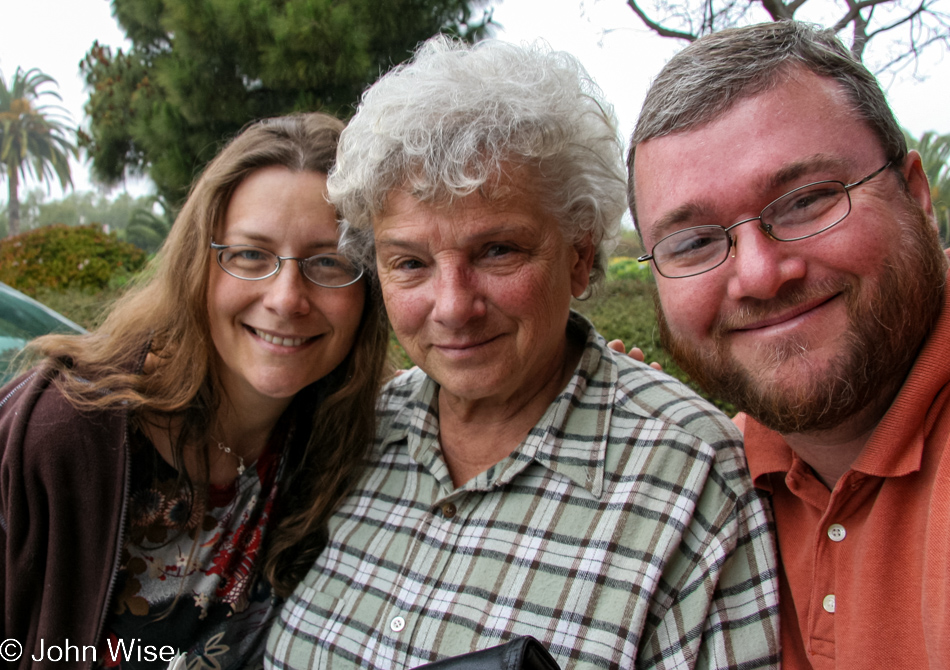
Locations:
{"points": [[583, 262], [918, 186]]}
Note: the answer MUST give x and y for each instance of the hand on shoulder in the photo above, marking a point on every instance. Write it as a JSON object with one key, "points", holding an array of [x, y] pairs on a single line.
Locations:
{"points": [[635, 353]]}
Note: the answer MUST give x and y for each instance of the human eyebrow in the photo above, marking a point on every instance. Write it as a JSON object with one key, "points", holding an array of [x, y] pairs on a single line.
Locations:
{"points": [[391, 245], [504, 231], [264, 241], [787, 176], [685, 216], [324, 246]]}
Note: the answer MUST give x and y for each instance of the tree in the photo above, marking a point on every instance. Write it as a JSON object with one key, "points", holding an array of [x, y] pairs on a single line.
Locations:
{"points": [[33, 137], [143, 221], [147, 229], [935, 154], [911, 25], [199, 70]]}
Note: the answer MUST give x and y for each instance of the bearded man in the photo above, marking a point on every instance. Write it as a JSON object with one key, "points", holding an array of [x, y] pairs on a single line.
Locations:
{"points": [[799, 275]]}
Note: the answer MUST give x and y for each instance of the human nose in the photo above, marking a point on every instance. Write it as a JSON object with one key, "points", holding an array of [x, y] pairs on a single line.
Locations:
{"points": [[457, 299], [288, 291], [760, 264]]}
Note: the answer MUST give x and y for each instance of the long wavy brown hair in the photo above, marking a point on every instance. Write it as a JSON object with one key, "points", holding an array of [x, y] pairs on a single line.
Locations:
{"points": [[165, 315]]}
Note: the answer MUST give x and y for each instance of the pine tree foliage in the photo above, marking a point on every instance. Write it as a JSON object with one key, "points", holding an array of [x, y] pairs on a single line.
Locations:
{"points": [[199, 70]]}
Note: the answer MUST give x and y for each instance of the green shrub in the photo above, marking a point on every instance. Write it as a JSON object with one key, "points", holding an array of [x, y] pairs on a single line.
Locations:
{"points": [[625, 267], [61, 257]]}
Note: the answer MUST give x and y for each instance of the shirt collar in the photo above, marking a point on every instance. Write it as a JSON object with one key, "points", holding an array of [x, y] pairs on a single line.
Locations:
{"points": [[766, 451]]}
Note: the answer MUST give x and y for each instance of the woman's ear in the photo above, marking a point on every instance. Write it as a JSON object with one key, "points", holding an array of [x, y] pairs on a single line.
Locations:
{"points": [[583, 261]]}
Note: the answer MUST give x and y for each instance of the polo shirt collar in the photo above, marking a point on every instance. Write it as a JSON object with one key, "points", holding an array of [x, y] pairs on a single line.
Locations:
{"points": [[766, 451]]}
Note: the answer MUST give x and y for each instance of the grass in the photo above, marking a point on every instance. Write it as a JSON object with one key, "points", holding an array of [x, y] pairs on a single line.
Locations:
{"points": [[87, 307]]}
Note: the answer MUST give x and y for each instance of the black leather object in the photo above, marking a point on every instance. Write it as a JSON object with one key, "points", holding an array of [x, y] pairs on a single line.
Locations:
{"points": [[523, 653]]}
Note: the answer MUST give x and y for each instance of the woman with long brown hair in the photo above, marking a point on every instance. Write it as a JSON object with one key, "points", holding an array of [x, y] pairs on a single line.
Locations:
{"points": [[165, 479]]}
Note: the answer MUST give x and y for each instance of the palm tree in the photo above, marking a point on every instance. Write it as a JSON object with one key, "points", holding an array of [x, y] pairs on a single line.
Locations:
{"points": [[34, 138], [935, 155], [146, 229]]}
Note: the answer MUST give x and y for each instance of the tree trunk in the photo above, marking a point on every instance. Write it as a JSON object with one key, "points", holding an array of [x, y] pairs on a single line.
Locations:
{"points": [[13, 204]]}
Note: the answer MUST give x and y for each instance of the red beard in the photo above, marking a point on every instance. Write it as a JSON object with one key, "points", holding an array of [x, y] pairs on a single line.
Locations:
{"points": [[888, 323]]}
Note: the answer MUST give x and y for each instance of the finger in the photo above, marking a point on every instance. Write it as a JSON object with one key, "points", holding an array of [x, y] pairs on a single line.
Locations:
{"points": [[617, 345]]}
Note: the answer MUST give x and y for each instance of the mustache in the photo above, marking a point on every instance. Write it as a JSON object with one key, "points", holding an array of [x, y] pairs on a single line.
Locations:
{"points": [[755, 310]]}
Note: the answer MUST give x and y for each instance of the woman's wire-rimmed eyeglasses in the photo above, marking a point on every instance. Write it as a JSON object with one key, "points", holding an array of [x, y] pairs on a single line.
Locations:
{"points": [[254, 263]]}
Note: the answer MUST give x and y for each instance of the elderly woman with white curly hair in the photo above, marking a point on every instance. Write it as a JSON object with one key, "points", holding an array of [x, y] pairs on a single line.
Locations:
{"points": [[525, 480]]}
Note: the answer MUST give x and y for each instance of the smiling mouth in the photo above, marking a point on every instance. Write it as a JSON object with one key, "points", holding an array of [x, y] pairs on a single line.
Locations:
{"points": [[788, 315], [282, 341], [462, 346]]}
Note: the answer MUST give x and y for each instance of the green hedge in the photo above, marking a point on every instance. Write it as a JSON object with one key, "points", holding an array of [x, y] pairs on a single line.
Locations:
{"points": [[625, 267], [61, 257]]}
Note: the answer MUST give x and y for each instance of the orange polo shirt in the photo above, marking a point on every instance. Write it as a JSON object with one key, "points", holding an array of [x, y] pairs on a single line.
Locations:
{"points": [[865, 579]]}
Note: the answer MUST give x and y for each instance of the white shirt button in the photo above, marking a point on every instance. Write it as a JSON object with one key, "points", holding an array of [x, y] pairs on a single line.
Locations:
{"points": [[829, 603], [836, 532], [399, 623]]}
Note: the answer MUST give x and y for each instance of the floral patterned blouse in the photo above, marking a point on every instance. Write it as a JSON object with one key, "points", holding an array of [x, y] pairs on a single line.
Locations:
{"points": [[189, 573]]}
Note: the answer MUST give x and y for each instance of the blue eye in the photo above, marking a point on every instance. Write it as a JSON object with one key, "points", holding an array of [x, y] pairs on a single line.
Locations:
{"points": [[248, 262], [409, 264], [249, 255], [498, 250], [326, 261]]}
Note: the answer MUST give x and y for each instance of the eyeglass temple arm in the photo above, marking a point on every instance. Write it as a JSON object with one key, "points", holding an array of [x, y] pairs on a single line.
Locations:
{"points": [[871, 176]]}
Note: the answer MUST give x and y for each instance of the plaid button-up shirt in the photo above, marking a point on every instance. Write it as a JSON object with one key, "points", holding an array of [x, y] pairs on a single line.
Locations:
{"points": [[623, 532]]}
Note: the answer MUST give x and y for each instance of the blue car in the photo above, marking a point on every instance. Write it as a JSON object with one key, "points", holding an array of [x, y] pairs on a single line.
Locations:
{"points": [[21, 319]]}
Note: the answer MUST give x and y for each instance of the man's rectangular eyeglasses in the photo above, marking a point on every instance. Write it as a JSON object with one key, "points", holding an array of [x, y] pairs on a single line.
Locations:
{"points": [[254, 263], [799, 214]]}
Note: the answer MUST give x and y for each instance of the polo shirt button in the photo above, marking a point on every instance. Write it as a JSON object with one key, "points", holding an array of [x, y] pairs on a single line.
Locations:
{"points": [[448, 510], [829, 603], [836, 532], [397, 624]]}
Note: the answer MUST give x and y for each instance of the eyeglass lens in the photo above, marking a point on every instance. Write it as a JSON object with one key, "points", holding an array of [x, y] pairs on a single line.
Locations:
{"points": [[330, 270], [804, 212]]}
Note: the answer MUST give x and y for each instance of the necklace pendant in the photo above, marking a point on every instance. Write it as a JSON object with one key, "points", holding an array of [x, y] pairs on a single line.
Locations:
{"points": [[227, 450]]}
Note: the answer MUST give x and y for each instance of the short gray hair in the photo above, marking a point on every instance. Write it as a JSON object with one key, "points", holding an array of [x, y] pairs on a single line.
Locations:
{"points": [[444, 124], [703, 81]]}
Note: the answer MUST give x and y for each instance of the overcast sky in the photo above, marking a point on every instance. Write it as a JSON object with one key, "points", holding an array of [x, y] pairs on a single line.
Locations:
{"points": [[622, 56]]}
